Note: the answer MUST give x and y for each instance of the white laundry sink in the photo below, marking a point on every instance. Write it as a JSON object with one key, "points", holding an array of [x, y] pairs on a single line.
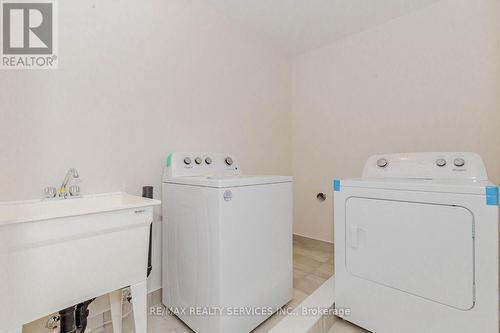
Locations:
{"points": [[58, 253]]}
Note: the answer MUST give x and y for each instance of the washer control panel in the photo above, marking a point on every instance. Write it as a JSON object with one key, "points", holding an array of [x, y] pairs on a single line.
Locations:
{"points": [[426, 166], [200, 164]]}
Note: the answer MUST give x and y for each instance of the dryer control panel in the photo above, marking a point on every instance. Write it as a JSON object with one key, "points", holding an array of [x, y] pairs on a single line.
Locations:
{"points": [[185, 164], [452, 165]]}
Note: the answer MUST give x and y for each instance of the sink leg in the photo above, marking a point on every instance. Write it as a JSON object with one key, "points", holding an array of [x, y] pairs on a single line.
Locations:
{"points": [[115, 299], [139, 301]]}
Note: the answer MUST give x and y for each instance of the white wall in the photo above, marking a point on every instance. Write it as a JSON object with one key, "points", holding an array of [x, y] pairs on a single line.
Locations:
{"points": [[135, 81], [428, 81], [138, 79]]}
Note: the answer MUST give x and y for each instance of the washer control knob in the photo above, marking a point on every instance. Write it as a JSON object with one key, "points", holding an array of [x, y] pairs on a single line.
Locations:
{"points": [[382, 162], [440, 162], [187, 161], [198, 160], [208, 160], [459, 162], [229, 161]]}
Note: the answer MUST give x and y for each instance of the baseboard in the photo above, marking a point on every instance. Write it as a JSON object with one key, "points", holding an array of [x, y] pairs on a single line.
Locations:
{"points": [[315, 239]]}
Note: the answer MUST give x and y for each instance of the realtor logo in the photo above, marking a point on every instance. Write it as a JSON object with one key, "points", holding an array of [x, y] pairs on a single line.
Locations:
{"points": [[28, 34]]}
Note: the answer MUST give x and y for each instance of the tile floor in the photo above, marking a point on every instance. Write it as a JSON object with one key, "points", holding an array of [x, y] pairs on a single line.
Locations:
{"points": [[313, 265]]}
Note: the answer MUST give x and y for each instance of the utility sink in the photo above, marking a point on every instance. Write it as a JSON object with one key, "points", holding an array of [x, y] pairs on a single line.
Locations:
{"points": [[58, 253]]}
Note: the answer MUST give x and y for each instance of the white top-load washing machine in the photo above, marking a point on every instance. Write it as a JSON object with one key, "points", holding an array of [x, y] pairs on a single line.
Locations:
{"points": [[416, 245], [227, 243]]}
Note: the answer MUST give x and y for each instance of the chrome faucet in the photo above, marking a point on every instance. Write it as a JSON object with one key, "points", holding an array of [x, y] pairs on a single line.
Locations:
{"points": [[73, 190], [63, 192]]}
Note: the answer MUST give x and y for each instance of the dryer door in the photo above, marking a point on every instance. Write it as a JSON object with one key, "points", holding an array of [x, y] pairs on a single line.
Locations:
{"points": [[423, 249]]}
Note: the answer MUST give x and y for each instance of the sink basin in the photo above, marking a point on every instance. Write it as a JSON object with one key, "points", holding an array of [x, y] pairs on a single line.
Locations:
{"points": [[36, 210], [58, 253]]}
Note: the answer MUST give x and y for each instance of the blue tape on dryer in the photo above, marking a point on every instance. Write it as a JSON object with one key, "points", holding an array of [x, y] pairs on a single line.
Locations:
{"points": [[336, 185], [492, 195]]}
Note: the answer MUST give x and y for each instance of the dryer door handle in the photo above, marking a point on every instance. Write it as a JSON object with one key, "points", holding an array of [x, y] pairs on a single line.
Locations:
{"points": [[354, 237], [358, 237]]}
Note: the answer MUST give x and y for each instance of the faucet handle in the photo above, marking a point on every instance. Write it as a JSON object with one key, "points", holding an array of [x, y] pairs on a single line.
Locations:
{"points": [[50, 192], [74, 190]]}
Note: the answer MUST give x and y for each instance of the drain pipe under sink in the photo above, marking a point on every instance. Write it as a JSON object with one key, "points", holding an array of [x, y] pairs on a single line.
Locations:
{"points": [[74, 318], [147, 192]]}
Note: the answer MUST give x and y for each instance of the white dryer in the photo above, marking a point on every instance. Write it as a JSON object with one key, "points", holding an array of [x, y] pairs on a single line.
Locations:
{"points": [[227, 243], [416, 245]]}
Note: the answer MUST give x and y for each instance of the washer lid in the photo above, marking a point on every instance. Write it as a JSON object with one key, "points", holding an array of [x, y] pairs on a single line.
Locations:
{"points": [[223, 181], [424, 185]]}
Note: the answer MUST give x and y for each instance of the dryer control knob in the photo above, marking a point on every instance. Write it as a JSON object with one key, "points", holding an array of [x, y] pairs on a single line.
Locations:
{"points": [[459, 162], [441, 162], [198, 160], [208, 160], [382, 162], [187, 161], [229, 161]]}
